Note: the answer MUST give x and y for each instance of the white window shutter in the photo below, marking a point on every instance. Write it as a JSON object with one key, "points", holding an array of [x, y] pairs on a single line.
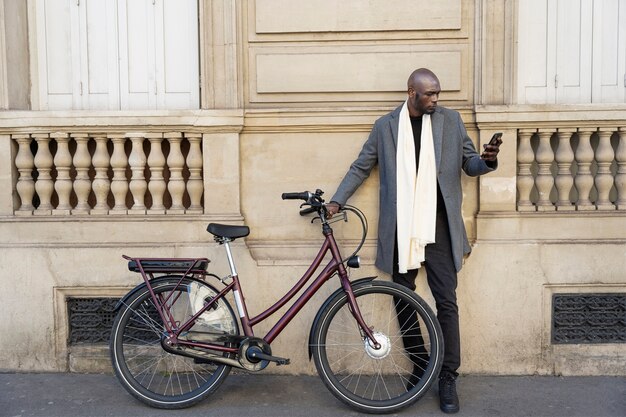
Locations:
{"points": [[176, 35], [158, 54], [99, 61], [573, 51], [536, 58], [136, 50], [58, 54], [609, 51]]}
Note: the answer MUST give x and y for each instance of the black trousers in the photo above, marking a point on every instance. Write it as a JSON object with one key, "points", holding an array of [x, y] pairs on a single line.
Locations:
{"points": [[442, 280]]}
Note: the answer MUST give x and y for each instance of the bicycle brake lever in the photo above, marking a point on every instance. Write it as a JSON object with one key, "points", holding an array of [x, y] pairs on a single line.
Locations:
{"points": [[307, 210]]}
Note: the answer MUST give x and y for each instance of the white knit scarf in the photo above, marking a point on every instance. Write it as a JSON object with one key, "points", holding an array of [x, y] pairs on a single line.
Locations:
{"points": [[416, 193]]}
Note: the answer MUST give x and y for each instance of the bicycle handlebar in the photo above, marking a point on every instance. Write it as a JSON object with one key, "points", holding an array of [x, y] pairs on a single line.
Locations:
{"points": [[315, 203]]}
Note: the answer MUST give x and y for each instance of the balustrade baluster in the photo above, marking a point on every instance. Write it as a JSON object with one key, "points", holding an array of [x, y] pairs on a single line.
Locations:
{"points": [[604, 178], [584, 178], [620, 178], [82, 184], [195, 185], [156, 162], [101, 184], [63, 182], [564, 178], [525, 180], [138, 185], [44, 185], [24, 162], [176, 162], [544, 180], [119, 185]]}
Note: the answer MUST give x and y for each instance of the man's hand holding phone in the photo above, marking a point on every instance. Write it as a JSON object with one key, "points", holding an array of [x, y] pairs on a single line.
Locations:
{"points": [[490, 151]]}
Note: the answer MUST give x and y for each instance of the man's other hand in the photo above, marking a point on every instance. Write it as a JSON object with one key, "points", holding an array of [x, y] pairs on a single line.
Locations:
{"points": [[332, 208]]}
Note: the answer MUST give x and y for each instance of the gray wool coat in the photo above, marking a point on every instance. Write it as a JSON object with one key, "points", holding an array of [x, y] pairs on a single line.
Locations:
{"points": [[454, 152]]}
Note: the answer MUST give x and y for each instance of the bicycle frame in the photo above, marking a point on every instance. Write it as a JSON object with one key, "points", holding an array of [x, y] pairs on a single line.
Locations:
{"points": [[335, 265]]}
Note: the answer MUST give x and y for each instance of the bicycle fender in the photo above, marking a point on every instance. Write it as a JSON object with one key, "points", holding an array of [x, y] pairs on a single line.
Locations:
{"points": [[143, 285], [328, 300]]}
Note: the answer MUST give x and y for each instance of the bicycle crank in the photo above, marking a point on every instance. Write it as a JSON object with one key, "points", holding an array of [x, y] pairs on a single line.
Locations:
{"points": [[255, 354]]}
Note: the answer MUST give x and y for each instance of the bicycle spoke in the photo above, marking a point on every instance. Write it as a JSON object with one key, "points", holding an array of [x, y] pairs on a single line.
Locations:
{"points": [[155, 326]]}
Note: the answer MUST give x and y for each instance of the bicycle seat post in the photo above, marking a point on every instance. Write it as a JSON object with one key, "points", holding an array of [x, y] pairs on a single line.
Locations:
{"points": [[229, 255]]}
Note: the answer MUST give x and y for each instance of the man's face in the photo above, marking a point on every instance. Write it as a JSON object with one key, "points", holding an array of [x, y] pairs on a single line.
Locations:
{"points": [[423, 96]]}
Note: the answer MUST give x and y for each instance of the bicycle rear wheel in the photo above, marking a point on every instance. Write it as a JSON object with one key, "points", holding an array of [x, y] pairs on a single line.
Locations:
{"points": [[380, 380], [150, 373]]}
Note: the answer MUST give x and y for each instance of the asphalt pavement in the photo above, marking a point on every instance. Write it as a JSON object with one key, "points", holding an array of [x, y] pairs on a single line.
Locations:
{"points": [[259, 395]]}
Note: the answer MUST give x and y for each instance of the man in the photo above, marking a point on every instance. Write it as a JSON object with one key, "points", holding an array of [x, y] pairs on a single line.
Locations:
{"points": [[421, 149]]}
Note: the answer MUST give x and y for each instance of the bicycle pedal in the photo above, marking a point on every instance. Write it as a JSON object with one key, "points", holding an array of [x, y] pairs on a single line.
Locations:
{"points": [[283, 361]]}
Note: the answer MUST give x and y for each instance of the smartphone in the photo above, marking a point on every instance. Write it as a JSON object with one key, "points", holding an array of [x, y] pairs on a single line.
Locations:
{"points": [[493, 141], [495, 137]]}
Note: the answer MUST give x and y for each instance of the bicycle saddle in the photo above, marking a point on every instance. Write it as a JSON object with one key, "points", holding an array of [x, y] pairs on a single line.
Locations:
{"points": [[225, 230]]}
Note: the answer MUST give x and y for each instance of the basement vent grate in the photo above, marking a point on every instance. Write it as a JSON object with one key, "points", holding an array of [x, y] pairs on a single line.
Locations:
{"points": [[90, 319], [588, 318]]}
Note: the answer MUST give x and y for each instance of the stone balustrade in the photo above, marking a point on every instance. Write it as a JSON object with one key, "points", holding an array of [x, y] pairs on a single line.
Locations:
{"points": [[571, 168], [562, 161], [113, 164], [135, 172]]}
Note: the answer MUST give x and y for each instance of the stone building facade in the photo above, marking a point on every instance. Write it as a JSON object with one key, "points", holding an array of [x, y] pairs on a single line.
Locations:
{"points": [[128, 125]]}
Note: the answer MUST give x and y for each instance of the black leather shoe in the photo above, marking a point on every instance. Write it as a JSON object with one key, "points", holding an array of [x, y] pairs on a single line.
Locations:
{"points": [[448, 400]]}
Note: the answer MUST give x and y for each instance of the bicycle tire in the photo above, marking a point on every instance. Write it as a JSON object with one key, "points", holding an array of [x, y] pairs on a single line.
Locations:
{"points": [[150, 373], [367, 379]]}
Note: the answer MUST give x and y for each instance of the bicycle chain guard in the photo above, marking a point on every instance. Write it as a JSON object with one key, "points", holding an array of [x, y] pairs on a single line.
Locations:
{"points": [[245, 346]]}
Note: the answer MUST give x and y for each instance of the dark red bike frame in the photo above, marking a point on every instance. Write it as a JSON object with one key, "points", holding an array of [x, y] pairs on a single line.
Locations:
{"points": [[335, 265]]}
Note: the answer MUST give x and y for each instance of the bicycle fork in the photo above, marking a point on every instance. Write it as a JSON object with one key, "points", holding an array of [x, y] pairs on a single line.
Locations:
{"points": [[366, 331], [347, 288]]}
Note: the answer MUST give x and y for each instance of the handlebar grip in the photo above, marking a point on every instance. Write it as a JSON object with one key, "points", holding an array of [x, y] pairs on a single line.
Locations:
{"points": [[305, 195]]}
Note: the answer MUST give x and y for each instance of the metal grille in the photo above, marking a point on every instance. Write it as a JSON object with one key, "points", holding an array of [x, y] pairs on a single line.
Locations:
{"points": [[588, 318], [90, 319]]}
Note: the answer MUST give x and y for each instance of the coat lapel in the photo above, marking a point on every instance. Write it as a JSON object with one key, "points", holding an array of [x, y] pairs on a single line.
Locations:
{"points": [[437, 124], [395, 119]]}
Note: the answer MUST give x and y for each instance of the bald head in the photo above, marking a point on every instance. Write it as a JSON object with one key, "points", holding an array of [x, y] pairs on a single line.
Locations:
{"points": [[423, 90], [420, 76]]}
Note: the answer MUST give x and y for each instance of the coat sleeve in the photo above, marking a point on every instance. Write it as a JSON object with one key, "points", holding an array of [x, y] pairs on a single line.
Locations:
{"points": [[360, 168], [473, 165]]}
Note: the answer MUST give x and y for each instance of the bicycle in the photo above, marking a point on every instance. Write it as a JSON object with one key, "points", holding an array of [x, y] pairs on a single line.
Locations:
{"points": [[175, 337]]}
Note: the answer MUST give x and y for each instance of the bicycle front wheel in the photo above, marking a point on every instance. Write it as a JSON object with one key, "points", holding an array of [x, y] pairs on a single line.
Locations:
{"points": [[142, 365], [389, 378]]}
